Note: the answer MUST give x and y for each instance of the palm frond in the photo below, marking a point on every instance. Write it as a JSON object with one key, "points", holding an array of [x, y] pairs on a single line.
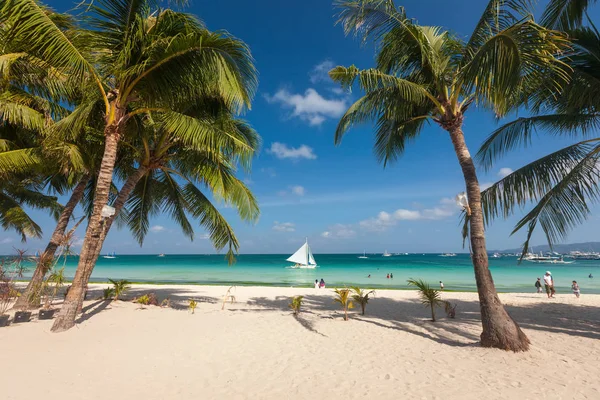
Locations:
{"points": [[565, 15]]}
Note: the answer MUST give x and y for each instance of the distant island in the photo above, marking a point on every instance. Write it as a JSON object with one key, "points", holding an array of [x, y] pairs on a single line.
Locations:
{"points": [[559, 248]]}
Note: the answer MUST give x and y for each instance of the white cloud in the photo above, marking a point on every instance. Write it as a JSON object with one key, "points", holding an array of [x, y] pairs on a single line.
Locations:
{"points": [[320, 72], [6, 241], [284, 226], [310, 106], [205, 236], [339, 231], [505, 172], [157, 228], [78, 242], [298, 190], [282, 151], [446, 208]]}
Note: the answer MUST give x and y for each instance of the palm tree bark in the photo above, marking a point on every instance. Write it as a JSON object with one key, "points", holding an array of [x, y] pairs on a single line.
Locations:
{"points": [[90, 250], [499, 329], [122, 198], [30, 298]]}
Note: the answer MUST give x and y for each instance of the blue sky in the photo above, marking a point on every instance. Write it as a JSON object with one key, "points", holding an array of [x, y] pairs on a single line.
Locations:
{"points": [[339, 197]]}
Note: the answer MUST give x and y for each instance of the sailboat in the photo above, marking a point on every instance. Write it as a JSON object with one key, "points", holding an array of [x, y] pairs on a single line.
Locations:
{"points": [[303, 257], [386, 254], [113, 255], [364, 255]]}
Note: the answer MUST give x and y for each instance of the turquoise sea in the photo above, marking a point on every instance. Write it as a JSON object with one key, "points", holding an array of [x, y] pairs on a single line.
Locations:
{"points": [[339, 270]]}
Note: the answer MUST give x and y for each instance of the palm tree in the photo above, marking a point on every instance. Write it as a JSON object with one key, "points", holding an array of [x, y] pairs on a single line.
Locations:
{"points": [[119, 288], [425, 74], [140, 60], [561, 185], [361, 297], [343, 298], [429, 297]]}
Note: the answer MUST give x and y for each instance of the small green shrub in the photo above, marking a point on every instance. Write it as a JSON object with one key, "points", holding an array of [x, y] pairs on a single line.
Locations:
{"points": [[192, 305], [296, 303], [108, 293], [429, 297], [120, 287], [165, 303], [362, 297], [343, 299], [147, 300]]}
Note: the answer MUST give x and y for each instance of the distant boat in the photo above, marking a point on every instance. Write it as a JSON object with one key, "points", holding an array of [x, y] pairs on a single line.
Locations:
{"points": [[448, 255], [161, 255], [303, 257], [496, 255], [113, 255], [386, 254], [364, 255]]}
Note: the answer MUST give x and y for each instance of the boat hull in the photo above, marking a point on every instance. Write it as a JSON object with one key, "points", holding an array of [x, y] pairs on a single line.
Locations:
{"points": [[304, 266]]}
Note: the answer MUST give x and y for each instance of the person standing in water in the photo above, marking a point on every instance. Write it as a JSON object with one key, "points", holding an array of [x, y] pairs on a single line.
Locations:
{"points": [[391, 276], [575, 288], [538, 285]]}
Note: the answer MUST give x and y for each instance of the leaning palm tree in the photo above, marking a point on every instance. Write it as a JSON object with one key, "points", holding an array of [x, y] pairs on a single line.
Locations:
{"points": [[141, 59], [429, 297], [561, 185], [425, 74]]}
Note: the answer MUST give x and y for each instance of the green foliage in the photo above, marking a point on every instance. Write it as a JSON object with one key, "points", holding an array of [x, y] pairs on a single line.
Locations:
{"points": [[361, 297], [55, 280], [192, 305], [343, 298], [119, 287], [429, 297], [295, 304], [108, 293], [147, 299]]}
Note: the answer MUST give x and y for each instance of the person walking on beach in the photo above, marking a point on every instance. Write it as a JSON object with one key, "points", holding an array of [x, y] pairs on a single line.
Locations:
{"points": [[441, 285], [549, 284], [316, 283], [575, 288], [538, 285]]}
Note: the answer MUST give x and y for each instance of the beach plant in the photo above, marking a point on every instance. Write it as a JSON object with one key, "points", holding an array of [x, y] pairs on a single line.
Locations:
{"points": [[343, 298], [361, 297], [165, 303], [147, 299], [54, 282], [450, 309], [7, 292], [427, 75], [192, 305], [295, 304], [228, 296], [108, 293], [119, 287], [429, 296]]}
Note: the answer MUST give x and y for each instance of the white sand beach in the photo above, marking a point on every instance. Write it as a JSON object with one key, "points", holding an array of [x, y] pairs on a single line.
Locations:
{"points": [[256, 349]]}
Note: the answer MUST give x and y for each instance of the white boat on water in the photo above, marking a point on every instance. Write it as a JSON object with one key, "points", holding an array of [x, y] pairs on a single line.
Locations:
{"points": [[113, 255], [496, 255], [448, 255], [161, 255], [303, 257], [364, 255], [386, 254]]}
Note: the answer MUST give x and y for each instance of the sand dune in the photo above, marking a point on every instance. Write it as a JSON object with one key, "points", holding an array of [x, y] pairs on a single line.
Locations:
{"points": [[255, 349]]}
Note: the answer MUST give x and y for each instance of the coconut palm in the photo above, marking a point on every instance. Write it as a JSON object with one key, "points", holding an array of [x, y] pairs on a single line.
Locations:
{"points": [[561, 185], [425, 74], [296, 304], [141, 60], [119, 288], [429, 297], [361, 297], [344, 299]]}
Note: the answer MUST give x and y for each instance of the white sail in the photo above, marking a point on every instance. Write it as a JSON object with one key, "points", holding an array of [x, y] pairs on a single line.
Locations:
{"points": [[303, 256], [300, 256]]}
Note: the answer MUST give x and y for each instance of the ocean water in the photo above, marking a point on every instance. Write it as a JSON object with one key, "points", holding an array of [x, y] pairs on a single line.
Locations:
{"points": [[339, 270]]}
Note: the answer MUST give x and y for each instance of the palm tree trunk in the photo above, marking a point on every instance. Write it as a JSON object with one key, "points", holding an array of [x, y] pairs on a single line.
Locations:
{"points": [[122, 198], [90, 250], [432, 312], [30, 298], [499, 329]]}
